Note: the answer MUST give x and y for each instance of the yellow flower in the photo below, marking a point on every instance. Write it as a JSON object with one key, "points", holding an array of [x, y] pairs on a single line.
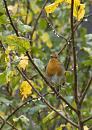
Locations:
{"points": [[25, 89], [23, 62], [79, 11]]}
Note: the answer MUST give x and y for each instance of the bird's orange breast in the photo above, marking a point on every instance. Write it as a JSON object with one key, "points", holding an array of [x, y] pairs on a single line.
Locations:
{"points": [[54, 67]]}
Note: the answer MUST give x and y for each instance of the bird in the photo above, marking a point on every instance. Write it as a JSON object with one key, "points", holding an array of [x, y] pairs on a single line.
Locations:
{"points": [[55, 71]]}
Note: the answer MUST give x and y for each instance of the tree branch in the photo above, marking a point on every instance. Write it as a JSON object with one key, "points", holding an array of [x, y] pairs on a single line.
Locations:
{"points": [[75, 70], [45, 101], [85, 90], [4, 121], [74, 29], [36, 21], [22, 105], [87, 119], [2, 46], [18, 108], [28, 8], [74, 54], [54, 30], [49, 84], [11, 22]]}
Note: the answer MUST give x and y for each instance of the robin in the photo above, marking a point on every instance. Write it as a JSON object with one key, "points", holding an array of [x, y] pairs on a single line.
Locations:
{"points": [[55, 71]]}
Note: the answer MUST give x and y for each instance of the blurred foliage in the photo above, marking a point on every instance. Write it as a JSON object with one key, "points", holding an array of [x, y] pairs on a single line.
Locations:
{"points": [[36, 115]]}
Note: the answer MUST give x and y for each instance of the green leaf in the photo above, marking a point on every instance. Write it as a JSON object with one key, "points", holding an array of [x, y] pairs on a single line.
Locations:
{"points": [[69, 76], [35, 109], [48, 117], [2, 10], [20, 43], [4, 100], [3, 19], [89, 50], [39, 63], [42, 24], [87, 62], [2, 78], [23, 28], [23, 118]]}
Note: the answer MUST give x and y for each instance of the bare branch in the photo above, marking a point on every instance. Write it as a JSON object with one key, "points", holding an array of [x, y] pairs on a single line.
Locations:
{"points": [[85, 90], [11, 22], [64, 46], [4, 121], [74, 54], [87, 119], [45, 101], [2, 46], [28, 8], [75, 70], [18, 108], [36, 21], [74, 29], [54, 30]]}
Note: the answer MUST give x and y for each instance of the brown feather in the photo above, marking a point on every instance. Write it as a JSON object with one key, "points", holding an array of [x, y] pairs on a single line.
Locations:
{"points": [[54, 67]]}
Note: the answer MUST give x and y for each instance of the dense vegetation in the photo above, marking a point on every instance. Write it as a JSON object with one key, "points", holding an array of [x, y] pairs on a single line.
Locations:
{"points": [[30, 30]]}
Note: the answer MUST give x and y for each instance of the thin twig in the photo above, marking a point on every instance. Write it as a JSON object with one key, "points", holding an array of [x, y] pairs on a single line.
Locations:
{"points": [[85, 82], [36, 21], [28, 8], [75, 69], [74, 29], [62, 49], [2, 46], [48, 93], [45, 101], [85, 90], [74, 54], [79, 23], [68, 57], [87, 119], [18, 108], [11, 22], [14, 128], [54, 30], [49, 84], [87, 16]]}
